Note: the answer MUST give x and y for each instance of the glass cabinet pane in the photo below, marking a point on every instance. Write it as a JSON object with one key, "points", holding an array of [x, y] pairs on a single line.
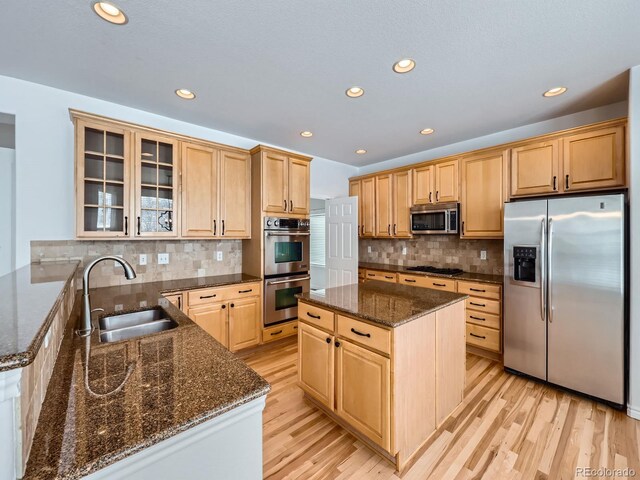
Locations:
{"points": [[93, 140], [156, 182]]}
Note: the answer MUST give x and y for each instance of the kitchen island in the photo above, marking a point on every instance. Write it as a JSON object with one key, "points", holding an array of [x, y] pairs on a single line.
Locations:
{"points": [[385, 361]]}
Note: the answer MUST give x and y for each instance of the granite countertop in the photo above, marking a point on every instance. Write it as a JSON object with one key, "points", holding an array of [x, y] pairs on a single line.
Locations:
{"points": [[388, 304], [179, 378], [473, 277], [29, 297]]}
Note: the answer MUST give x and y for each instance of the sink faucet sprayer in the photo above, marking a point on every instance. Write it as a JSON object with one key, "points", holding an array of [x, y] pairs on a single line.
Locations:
{"points": [[86, 327]]}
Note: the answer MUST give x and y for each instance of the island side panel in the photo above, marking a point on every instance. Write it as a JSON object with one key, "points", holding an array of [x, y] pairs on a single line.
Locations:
{"points": [[450, 359], [414, 386]]}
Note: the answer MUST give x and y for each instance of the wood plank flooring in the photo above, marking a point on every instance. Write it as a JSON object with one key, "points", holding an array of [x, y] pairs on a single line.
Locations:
{"points": [[507, 427]]}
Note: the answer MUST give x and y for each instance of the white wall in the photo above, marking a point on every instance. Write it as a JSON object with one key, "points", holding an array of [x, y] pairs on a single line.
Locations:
{"points": [[44, 157], [607, 112], [7, 210], [634, 195]]}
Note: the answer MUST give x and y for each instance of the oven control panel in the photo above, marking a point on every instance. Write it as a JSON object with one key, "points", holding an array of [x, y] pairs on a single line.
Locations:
{"points": [[291, 224]]}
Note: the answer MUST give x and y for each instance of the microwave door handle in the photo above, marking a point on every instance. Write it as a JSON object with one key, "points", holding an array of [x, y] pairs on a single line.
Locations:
{"points": [[293, 280], [447, 224]]}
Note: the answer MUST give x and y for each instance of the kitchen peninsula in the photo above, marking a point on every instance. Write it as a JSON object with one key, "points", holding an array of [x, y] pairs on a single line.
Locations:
{"points": [[385, 361]]}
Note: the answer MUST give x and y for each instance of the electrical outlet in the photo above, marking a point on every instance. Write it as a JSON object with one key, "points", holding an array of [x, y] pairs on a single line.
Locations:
{"points": [[219, 256], [116, 264], [369, 249], [404, 250], [163, 258], [483, 254], [143, 303], [143, 259]]}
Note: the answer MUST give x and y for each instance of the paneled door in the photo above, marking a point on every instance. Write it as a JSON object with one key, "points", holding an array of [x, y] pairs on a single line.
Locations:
{"points": [[423, 183], [244, 323], [316, 363], [535, 169], [299, 195], [401, 204], [384, 204], [446, 181], [212, 318], [275, 195], [368, 200], [341, 242], [235, 194], [354, 191], [199, 191]]}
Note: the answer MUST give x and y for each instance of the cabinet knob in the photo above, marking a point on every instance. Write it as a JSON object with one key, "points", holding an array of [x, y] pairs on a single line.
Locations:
{"points": [[337, 344], [223, 307], [328, 340], [232, 305]]}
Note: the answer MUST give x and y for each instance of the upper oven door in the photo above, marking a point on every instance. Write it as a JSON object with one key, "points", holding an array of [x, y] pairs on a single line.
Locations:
{"points": [[285, 252]]}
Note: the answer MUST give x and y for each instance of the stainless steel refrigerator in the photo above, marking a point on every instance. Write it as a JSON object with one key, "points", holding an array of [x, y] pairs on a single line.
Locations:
{"points": [[564, 290]]}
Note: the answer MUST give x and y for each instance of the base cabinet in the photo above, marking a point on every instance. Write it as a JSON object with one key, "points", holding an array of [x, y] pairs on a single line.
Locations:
{"points": [[244, 331], [212, 319], [315, 372]]}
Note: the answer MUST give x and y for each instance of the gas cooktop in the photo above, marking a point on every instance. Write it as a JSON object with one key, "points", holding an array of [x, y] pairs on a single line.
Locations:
{"points": [[439, 271]]}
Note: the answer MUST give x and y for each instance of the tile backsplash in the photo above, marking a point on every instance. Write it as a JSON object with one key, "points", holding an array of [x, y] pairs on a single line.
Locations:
{"points": [[437, 250], [187, 258]]}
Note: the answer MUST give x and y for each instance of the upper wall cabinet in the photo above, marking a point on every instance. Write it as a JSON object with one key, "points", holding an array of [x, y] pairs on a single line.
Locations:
{"points": [[103, 179], [437, 183], [284, 181], [384, 206], [402, 204], [535, 169]]}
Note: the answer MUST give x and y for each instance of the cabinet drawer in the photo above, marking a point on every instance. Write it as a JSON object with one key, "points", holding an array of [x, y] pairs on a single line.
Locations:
{"points": [[279, 331], [382, 276], [484, 319], [316, 316], [222, 294], [480, 289], [483, 305], [360, 332], [361, 273], [435, 283], [482, 337]]}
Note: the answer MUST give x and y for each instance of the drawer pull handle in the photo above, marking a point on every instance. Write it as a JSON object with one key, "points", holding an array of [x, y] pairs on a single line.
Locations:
{"points": [[478, 318], [477, 289], [317, 317], [245, 291], [276, 333], [371, 274], [477, 304], [295, 327], [439, 284], [387, 276], [328, 339], [409, 280], [477, 336], [368, 335], [202, 297]]}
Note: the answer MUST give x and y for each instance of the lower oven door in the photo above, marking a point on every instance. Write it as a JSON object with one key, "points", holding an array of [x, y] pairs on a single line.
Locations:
{"points": [[280, 302]]}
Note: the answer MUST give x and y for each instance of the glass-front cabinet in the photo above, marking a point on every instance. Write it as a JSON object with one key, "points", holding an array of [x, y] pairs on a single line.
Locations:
{"points": [[156, 177], [102, 183]]}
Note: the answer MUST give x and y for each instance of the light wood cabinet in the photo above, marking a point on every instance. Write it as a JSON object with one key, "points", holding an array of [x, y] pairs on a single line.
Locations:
{"points": [[381, 276], [277, 332], [235, 194], [483, 310], [423, 184], [354, 191], [176, 299], [384, 205], [435, 283], [535, 169], [213, 319], [244, 331], [401, 204], [315, 363], [285, 181], [368, 197], [483, 195], [363, 392], [200, 193], [446, 181], [594, 159]]}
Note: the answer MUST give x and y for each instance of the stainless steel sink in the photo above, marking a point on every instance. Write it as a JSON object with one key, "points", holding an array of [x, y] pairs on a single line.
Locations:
{"points": [[114, 328]]}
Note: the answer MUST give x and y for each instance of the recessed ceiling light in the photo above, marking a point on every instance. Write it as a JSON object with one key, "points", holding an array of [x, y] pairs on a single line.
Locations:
{"points": [[186, 94], [427, 131], [109, 12], [554, 92], [361, 151], [354, 92], [306, 134], [403, 66]]}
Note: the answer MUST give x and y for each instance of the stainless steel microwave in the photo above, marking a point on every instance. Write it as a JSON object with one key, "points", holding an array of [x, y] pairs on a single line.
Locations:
{"points": [[439, 219]]}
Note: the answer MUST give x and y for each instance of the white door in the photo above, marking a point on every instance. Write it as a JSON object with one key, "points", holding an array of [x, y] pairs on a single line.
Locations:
{"points": [[342, 241], [7, 210]]}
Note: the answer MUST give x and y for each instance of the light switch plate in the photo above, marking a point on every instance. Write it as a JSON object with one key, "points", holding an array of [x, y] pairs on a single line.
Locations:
{"points": [[404, 250], [369, 249], [483, 254], [163, 258], [143, 259], [219, 256]]}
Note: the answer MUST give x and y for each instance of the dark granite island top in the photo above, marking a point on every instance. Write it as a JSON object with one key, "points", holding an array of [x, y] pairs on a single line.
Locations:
{"points": [[179, 378], [387, 304], [29, 297], [469, 276]]}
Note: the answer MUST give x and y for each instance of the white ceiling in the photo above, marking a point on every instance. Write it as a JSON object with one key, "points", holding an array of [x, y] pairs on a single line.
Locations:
{"points": [[269, 69]]}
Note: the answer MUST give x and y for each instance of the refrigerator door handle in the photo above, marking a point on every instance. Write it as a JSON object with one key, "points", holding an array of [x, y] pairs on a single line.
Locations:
{"points": [[543, 267], [550, 298]]}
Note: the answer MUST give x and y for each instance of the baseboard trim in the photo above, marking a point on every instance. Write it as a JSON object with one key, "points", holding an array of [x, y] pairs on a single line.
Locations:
{"points": [[633, 412]]}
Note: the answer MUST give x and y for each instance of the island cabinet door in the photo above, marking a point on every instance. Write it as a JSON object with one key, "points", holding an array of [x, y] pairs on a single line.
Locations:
{"points": [[363, 391], [315, 360], [244, 323], [212, 318]]}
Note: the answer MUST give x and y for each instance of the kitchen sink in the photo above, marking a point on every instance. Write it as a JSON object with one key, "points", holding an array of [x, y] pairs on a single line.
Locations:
{"points": [[114, 328]]}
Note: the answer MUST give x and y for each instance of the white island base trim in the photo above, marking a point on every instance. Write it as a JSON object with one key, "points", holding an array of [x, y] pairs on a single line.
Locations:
{"points": [[226, 447]]}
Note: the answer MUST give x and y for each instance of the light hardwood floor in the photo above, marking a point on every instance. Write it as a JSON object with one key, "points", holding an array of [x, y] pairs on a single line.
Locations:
{"points": [[507, 427]]}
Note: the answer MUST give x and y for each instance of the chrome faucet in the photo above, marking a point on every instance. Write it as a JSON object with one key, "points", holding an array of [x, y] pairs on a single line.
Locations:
{"points": [[86, 328]]}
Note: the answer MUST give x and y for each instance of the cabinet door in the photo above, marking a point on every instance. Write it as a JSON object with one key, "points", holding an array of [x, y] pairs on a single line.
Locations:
{"points": [[235, 195], [423, 184], [175, 299], [213, 319], [594, 160], [244, 323], [535, 169], [156, 182], [102, 181], [401, 204], [199, 191], [299, 195], [368, 196], [315, 363], [483, 195], [446, 181], [384, 203], [363, 391], [274, 182], [354, 191]]}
